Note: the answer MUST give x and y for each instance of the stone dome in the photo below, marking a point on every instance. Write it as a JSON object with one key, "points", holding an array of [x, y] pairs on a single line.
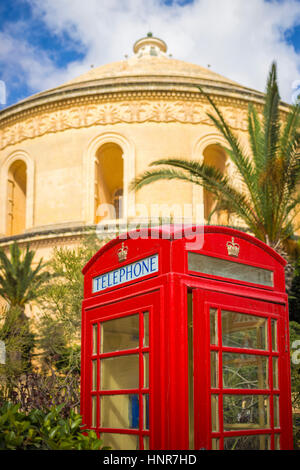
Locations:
{"points": [[66, 151], [149, 68]]}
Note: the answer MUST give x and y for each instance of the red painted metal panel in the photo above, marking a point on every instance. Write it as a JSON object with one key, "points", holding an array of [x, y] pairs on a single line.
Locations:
{"points": [[164, 293], [120, 309], [204, 300]]}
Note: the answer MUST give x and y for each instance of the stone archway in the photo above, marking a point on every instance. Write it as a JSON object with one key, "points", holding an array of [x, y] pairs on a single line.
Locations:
{"points": [[22, 165], [90, 159], [207, 148]]}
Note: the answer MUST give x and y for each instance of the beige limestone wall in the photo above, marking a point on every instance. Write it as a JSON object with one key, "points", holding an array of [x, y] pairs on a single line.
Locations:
{"points": [[60, 163]]}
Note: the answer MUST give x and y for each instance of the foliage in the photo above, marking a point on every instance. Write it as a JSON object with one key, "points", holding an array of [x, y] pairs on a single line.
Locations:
{"points": [[266, 200], [42, 409], [44, 430], [295, 379], [20, 283], [61, 300], [54, 349], [294, 294], [58, 338], [38, 390], [295, 368], [19, 342]]}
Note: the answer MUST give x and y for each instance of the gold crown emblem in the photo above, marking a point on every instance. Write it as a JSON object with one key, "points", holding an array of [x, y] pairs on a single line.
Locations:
{"points": [[233, 248], [122, 253]]}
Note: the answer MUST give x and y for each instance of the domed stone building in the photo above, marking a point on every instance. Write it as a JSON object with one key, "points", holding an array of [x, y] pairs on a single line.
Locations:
{"points": [[69, 153]]}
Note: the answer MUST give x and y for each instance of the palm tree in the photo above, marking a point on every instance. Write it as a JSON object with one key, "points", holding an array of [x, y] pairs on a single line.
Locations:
{"points": [[20, 284], [269, 170]]}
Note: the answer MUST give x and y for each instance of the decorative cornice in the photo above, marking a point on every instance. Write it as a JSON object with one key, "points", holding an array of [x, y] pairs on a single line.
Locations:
{"points": [[87, 106], [138, 108], [50, 236], [116, 89], [87, 95]]}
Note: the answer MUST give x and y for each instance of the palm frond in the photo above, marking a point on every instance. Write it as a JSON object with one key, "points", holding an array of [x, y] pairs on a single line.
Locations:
{"points": [[269, 170], [290, 133], [256, 138], [271, 117], [19, 283], [152, 176], [204, 175], [239, 155]]}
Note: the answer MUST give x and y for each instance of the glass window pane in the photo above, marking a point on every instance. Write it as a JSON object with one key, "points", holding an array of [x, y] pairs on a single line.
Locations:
{"points": [[146, 411], [120, 441], [274, 335], [120, 411], [214, 369], [95, 337], [146, 443], [245, 371], [244, 331], [94, 412], [276, 411], [119, 334], [213, 326], [120, 372], [146, 329], [277, 442], [275, 373], [215, 413], [258, 442], [94, 374], [146, 370], [246, 412], [229, 269], [215, 444]]}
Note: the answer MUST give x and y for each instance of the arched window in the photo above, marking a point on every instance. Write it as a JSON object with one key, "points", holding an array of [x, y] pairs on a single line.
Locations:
{"points": [[215, 156], [16, 198], [109, 180]]}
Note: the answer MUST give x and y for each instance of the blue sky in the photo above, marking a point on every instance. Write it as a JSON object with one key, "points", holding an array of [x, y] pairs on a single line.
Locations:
{"points": [[44, 43]]}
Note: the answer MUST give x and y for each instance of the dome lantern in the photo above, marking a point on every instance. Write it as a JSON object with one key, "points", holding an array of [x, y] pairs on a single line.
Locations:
{"points": [[150, 45]]}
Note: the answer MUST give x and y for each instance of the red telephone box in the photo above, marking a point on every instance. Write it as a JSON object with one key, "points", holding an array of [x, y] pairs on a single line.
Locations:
{"points": [[185, 342]]}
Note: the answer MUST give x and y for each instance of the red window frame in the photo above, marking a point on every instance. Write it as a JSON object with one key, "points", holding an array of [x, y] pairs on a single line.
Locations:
{"points": [[204, 301], [141, 391]]}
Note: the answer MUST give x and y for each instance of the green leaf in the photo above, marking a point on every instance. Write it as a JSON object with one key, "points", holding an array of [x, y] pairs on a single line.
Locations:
{"points": [[268, 169]]}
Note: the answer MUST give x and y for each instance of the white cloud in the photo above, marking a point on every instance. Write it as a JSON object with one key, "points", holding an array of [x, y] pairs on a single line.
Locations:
{"points": [[23, 64], [239, 39]]}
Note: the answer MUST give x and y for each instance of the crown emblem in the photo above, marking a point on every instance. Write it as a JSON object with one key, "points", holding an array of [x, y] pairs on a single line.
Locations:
{"points": [[233, 248], [122, 253]]}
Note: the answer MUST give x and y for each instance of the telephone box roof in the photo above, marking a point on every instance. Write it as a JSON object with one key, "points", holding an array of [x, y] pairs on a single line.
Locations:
{"points": [[174, 232]]}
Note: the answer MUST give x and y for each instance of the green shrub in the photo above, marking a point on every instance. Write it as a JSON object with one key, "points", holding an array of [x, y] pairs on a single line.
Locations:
{"points": [[44, 430], [42, 391], [60, 306], [294, 294]]}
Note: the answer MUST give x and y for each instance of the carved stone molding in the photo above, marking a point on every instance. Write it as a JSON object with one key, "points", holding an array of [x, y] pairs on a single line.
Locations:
{"points": [[138, 111], [48, 240]]}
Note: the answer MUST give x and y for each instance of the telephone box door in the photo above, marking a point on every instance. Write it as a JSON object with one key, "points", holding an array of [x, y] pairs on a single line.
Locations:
{"points": [[241, 373], [119, 353]]}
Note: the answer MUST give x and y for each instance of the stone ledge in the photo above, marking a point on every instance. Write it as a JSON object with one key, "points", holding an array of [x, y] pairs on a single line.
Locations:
{"points": [[75, 95], [39, 235]]}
